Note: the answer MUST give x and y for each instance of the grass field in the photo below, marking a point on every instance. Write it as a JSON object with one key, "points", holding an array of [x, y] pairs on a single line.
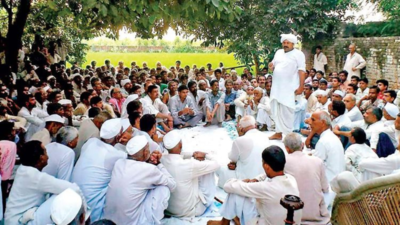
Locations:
{"points": [[166, 59]]}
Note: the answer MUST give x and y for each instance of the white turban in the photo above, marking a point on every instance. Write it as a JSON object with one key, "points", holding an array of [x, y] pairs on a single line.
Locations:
{"points": [[289, 37], [65, 102], [125, 124], [110, 128], [54, 118], [171, 139], [123, 82], [136, 144], [65, 207], [391, 109], [320, 92], [339, 92]]}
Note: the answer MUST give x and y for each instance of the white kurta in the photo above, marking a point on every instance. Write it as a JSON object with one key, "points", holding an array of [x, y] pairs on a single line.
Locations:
{"points": [[323, 107], [329, 148], [387, 128], [186, 172], [368, 128], [43, 136], [320, 61], [381, 165], [29, 190], [268, 193], [92, 173], [61, 161], [355, 114], [341, 120], [131, 182], [355, 60], [356, 153], [87, 130], [360, 93], [35, 120]]}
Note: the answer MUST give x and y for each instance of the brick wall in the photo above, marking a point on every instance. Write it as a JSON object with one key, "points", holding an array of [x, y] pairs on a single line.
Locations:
{"points": [[381, 53]]}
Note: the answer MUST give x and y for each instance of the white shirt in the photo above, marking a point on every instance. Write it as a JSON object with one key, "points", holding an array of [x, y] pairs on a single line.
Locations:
{"points": [[341, 120], [286, 76], [360, 94], [355, 60], [369, 129], [312, 102], [381, 165], [43, 136], [186, 173], [329, 148], [29, 190], [130, 182], [268, 193], [92, 173], [354, 154], [35, 120], [153, 107], [61, 161], [354, 114], [87, 130], [388, 128], [320, 61], [323, 107], [200, 94], [153, 146]]}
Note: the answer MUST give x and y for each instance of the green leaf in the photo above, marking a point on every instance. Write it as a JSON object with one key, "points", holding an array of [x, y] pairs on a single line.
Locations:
{"points": [[52, 5], [238, 10], [231, 17], [215, 3], [114, 11], [155, 7], [208, 1], [90, 3], [152, 19], [103, 10]]}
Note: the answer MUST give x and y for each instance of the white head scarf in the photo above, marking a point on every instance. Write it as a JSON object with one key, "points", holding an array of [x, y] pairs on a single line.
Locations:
{"points": [[391, 109], [289, 37]]}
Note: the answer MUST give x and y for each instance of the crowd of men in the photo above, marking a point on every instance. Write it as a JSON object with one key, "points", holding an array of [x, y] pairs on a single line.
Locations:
{"points": [[103, 144]]}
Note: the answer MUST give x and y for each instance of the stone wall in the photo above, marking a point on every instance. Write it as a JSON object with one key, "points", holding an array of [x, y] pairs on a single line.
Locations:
{"points": [[381, 53]]}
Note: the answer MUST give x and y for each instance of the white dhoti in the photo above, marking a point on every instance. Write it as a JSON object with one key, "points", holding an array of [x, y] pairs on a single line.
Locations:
{"points": [[264, 118], [207, 192], [154, 204], [224, 174], [283, 117], [242, 207], [219, 115]]}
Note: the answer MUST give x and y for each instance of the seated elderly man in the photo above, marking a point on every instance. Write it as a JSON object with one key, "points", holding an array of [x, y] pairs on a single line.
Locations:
{"points": [[198, 96], [323, 101], [311, 180], [353, 112], [183, 109], [337, 111], [31, 186], [338, 95], [246, 150], [258, 200], [243, 102], [140, 186], [93, 169], [61, 156], [264, 114], [68, 208], [195, 180], [53, 124], [328, 148], [215, 109]]}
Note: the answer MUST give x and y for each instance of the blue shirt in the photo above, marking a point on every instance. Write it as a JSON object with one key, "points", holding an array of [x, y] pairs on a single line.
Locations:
{"points": [[230, 98], [215, 99]]}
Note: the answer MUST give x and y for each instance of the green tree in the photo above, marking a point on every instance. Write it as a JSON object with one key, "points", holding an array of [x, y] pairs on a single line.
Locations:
{"points": [[90, 18], [256, 35]]}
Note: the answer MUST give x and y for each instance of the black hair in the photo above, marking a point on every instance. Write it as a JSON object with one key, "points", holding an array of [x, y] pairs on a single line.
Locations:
{"points": [[318, 47], [182, 87], [52, 108], [359, 135], [344, 72], [375, 87], [94, 100], [323, 81], [320, 72], [392, 93], [133, 106], [85, 96], [377, 112], [30, 153], [151, 88], [274, 157], [133, 116], [93, 112], [6, 128], [339, 107], [355, 77], [217, 71], [147, 122], [337, 78], [191, 83], [213, 82], [365, 80], [353, 86], [383, 81]]}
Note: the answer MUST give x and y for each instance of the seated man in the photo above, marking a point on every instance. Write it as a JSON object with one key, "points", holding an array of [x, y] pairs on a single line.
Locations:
{"points": [[370, 100], [337, 111], [140, 186], [245, 151], [53, 124], [215, 105], [258, 200], [93, 169], [311, 180], [198, 96], [230, 96], [183, 109], [195, 180], [264, 114], [61, 156], [353, 112], [68, 208], [149, 130], [323, 101], [243, 101], [31, 185]]}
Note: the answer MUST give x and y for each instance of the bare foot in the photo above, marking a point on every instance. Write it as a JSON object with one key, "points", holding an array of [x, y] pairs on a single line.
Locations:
{"points": [[219, 222], [207, 124], [276, 136], [264, 128], [236, 220]]}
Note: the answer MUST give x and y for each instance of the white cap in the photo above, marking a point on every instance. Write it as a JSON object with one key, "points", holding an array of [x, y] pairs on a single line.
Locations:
{"points": [[320, 92], [51, 77], [391, 109], [171, 139], [110, 128], [54, 118], [125, 124], [289, 37], [136, 144], [65, 102], [339, 92], [123, 82], [46, 88], [65, 207], [75, 75]]}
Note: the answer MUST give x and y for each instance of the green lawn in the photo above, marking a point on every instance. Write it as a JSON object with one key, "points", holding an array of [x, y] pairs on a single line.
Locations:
{"points": [[166, 59]]}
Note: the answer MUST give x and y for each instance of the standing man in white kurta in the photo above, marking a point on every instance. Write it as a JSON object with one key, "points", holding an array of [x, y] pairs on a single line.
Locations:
{"points": [[195, 179], [289, 66], [320, 60], [354, 63]]}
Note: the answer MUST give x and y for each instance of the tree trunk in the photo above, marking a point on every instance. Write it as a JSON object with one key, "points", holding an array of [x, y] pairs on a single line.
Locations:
{"points": [[15, 32], [256, 64]]}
